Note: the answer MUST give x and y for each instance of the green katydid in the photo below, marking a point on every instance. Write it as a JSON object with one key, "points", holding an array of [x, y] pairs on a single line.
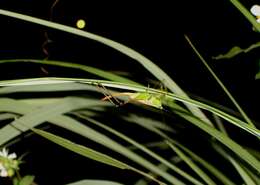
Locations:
{"points": [[145, 98]]}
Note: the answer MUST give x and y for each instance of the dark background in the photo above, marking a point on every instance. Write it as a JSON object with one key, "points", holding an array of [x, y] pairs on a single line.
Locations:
{"points": [[155, 29]]}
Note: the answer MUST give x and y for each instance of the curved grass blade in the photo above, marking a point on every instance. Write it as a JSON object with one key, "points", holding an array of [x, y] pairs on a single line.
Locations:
{"points": [[217, 173], [14, 129], [52, 113], [130, 87], [204, 163], [196, 121], [146, 150], [248, 120], [191, 164], [34, 87], [90, 153], [89, 69], [241, 152], [148, 64], [244, 175]]}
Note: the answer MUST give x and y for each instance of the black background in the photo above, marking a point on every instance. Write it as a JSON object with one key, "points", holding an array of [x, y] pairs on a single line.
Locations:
{"points": [[154, 29]]}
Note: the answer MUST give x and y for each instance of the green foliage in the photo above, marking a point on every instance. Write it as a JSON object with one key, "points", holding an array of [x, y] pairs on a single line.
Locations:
{"points": [[236, 50], [86, 115]]}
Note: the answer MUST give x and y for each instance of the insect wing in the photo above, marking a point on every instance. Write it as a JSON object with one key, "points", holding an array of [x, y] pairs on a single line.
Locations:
{"points": [[147, 99]]}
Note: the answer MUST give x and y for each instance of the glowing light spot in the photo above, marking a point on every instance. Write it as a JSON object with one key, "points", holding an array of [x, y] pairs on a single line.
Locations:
{"points": [[81, 24]]}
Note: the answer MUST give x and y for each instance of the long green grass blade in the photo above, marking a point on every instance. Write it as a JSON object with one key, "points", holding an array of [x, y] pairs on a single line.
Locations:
{"points": [[229, 118], [34, 87], [191, 164], [90, 153], [82, 150], [220, 83], [148, 64], [52, 113], [217, 173], [195, 157], [241, 171], [213, 132], [147, 151], [247, 179], [89, 69], [11, 131], [130, 87], [241, 152]]}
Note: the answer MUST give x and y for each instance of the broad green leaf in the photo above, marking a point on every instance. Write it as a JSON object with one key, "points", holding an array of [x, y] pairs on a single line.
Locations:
{"points": [[230, 54], [27, 180]]}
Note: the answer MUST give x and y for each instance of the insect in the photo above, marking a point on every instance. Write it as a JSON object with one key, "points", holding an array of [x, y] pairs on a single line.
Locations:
{"points": [[255, 10], [145, 98]]}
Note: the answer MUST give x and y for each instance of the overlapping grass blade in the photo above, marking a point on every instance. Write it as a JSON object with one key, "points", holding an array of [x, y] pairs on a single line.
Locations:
{"points": [[239, 108], [47, 88], [212, 169], [241, 171], [191, 164], [196, 121], [146, 150], [5, 116], [195, 157], [12, 106], [52, 113], [89, 153], [148, 64], [89, 69], [130, 87]]}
